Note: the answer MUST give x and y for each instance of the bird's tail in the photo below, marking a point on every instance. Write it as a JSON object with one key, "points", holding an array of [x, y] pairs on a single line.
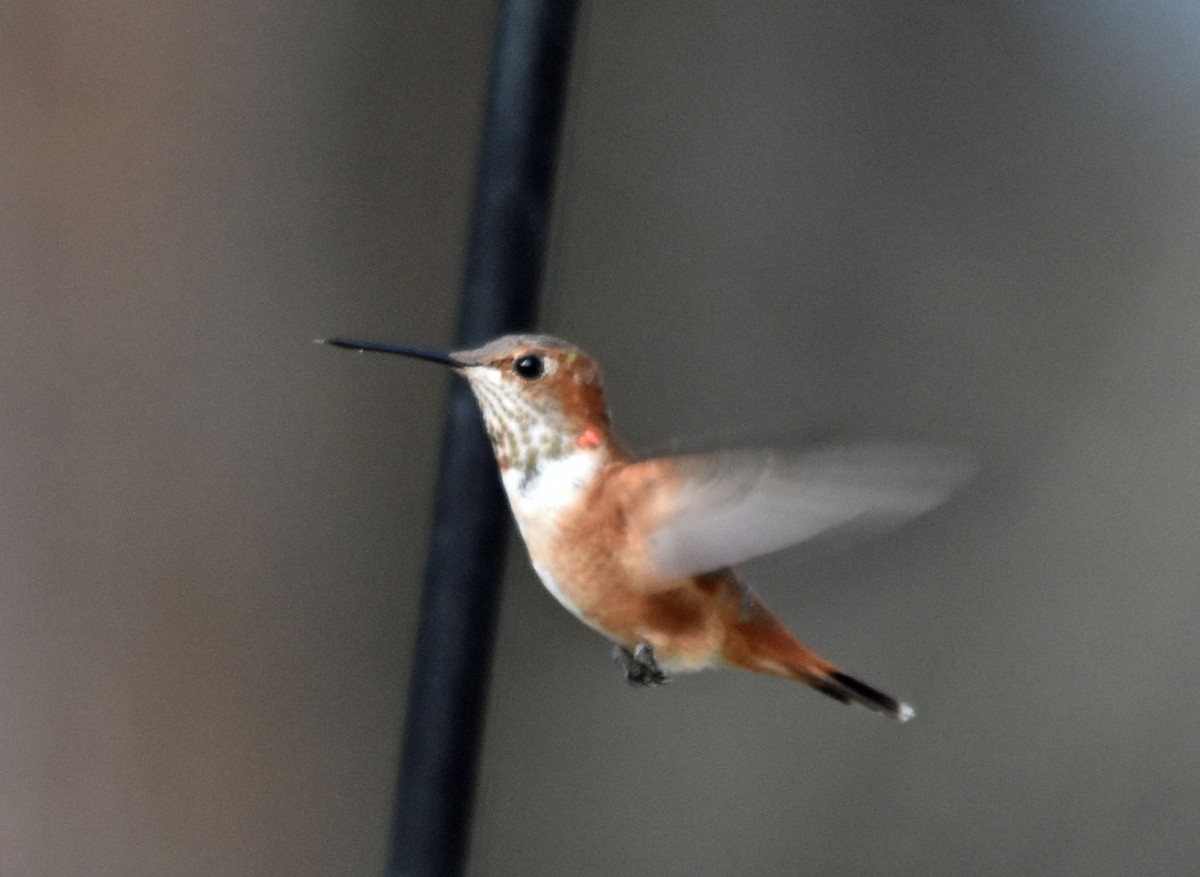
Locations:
{"points": [[760, 643], [847, 689]]}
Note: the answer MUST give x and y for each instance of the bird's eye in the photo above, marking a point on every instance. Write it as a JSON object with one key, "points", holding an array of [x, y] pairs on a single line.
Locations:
{"points": [[529, 367]]}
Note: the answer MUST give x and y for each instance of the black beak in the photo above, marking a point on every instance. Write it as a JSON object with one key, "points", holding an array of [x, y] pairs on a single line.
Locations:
{"points": [[438, 356]]}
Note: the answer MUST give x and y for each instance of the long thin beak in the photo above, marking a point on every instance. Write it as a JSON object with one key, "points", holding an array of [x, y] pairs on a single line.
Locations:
{"points": [[438, 356]]}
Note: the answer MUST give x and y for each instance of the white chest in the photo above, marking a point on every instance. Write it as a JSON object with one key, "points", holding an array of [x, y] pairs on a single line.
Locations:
{"points": [[538, 501]]}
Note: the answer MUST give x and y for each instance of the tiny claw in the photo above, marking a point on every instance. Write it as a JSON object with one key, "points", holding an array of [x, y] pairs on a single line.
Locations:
{"points": [[641, 669]]}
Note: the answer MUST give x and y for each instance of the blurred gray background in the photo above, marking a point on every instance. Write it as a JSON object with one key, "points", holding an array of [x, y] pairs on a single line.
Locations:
{"points": [[976, 223]]}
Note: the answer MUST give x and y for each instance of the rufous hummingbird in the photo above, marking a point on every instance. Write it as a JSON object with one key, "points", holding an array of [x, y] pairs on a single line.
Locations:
{"points": [[642, 550]]}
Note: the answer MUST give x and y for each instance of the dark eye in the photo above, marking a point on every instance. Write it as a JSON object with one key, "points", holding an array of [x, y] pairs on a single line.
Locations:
{"points": [[529, 367]]}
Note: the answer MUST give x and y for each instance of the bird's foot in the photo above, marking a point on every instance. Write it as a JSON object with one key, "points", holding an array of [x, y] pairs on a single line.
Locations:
{"points": [[640, 667]]}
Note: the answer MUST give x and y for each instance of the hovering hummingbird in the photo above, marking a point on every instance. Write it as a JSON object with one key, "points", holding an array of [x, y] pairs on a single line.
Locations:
{"points": [[642, 550]]}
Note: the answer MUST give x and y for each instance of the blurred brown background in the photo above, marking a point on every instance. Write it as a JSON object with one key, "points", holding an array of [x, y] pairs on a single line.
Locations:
{"points": [[977, 223]]}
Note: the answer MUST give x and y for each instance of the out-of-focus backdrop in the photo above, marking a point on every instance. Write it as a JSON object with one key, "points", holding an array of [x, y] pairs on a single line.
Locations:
{"points": [[976, 223]]}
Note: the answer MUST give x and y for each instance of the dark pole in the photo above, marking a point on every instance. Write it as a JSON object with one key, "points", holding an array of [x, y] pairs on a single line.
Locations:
{"points": [[506, 254]]}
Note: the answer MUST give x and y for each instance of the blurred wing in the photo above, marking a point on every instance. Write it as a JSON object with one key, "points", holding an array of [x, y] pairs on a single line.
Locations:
{"points": [[707, 511]]}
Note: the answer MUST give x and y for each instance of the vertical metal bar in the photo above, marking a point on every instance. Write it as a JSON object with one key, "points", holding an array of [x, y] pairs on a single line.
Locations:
{"points": [[505, 258]]}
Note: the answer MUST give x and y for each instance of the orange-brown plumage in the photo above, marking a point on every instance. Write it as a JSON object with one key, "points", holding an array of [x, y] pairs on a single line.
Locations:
{"points": [[641, 550], [598, 551]]}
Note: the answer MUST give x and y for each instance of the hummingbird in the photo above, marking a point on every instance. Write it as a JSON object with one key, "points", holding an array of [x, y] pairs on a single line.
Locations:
{"points": [[642, 550]]}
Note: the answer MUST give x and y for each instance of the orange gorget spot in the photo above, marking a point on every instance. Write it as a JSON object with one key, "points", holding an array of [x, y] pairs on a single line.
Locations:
{"points": [[589, 439]]}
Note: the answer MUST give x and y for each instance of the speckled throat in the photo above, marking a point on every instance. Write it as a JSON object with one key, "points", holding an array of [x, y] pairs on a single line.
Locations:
{"points": [[526, 430]]}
